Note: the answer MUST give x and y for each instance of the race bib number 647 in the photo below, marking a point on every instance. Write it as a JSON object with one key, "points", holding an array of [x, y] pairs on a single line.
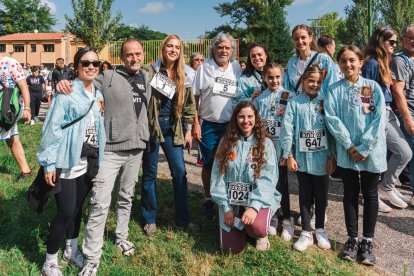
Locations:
{"points": [[312, 140]]}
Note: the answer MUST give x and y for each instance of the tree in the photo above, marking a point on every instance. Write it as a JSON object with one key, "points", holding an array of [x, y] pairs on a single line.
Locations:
{"points": [[328, 24], [397, 13], [354, 29], [92, 22], [24, 16], [141, 33], [261, 20]]}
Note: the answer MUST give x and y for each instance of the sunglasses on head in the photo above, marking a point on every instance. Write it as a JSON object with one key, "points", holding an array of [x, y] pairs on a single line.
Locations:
{"points": [[392, 42], [86, 63]]}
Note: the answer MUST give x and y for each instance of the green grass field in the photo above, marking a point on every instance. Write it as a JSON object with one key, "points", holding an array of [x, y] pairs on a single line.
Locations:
{"points": [[169, 252]]}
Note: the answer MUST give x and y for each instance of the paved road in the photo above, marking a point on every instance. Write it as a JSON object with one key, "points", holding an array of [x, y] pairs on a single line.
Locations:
{"points": [[394, 238]]}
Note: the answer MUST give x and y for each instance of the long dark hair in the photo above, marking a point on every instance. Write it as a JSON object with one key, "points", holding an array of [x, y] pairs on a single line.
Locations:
{"points": [[232, 135], [376, 49], [79, 54], [249, 66]]}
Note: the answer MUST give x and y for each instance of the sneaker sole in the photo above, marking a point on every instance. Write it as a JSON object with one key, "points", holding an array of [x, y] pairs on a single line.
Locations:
{"points": [[348, 258], [367, 262]]}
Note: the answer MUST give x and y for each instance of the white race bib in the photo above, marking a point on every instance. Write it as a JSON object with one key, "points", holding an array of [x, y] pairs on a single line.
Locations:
{"points": [[225, 87], [164, 85], [240, 193], [273, 127], [90, 136], [312, 140]]}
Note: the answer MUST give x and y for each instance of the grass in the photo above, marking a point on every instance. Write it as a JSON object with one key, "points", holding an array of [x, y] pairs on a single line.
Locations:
{"points": [[169, 252]]}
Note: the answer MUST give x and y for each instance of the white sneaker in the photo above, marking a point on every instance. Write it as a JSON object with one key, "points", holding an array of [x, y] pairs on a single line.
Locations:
{"points": [[405, 198], [262, 244], [51, 269], [305, 239], [272, 230], [89, 269], [382, 207], [322, 238], [288, 229], [75, 258], [127, 248], [392, 197], [32, 122]]}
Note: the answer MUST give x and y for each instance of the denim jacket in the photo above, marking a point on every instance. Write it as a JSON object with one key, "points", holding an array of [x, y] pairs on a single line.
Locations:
{"points": [[351, 125], [304, 114], [325, 63], [241, 169], [61, 148], [273, 99]]}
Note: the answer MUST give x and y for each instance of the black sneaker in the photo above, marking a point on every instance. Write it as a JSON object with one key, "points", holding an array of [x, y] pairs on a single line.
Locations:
{"points": [[350, 250], [365, 254], [209, 209]]}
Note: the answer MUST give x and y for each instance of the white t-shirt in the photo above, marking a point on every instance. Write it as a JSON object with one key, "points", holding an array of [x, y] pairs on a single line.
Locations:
{"points": [[214, 107], [82, 167]]}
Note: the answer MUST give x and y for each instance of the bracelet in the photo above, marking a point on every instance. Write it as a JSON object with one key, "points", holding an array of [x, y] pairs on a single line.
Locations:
{"points": [[26, 108]]}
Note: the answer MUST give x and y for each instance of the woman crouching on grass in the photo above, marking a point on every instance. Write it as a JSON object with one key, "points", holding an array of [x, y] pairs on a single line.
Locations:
{"points": [[243, 181], [69, 152]]}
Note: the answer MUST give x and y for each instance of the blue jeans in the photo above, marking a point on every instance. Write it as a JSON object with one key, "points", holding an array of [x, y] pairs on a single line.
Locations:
{"points": [[175, 159], [410, 140]]}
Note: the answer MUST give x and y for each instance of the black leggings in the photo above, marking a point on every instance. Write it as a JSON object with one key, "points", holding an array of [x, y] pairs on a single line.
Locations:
{"points": [[283, 187], [69, 211], [352, 187], [312, 188], [35, 102]]}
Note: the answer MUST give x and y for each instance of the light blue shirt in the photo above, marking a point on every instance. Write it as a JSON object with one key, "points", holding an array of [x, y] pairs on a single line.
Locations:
{"points": [[291, 75], [61, 148], [264, 103], [246, 86], [350, 125], [303, 114], [241, 169]]}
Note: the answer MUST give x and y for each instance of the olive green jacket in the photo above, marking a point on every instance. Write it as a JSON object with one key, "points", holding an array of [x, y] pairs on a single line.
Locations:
{"points": [[187, 114]]}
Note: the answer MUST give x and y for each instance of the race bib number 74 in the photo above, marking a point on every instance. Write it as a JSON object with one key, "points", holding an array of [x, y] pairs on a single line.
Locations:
{"points": [[312, 140]]}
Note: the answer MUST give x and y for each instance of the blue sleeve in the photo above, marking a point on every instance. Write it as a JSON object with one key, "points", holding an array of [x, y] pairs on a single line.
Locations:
{"points": [[331, 74], [52, 133], [218, 188], [333, 122], [288, 129], [377, 125], [264, 195], [370, 70]]}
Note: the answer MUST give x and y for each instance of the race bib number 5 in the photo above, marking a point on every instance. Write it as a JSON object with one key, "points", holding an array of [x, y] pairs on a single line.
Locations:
{"points": [[240, 193], [312, 140], [225, 87], [164, 85]]}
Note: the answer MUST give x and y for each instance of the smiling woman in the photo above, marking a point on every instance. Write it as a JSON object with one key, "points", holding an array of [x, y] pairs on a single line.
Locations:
{"points": [[73, 122]]}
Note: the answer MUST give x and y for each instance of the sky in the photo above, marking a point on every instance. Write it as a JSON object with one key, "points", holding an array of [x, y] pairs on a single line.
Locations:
{"points": [[190, 19]]}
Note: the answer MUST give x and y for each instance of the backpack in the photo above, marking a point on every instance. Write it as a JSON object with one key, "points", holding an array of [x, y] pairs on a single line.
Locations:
{"points": [[9, 106]]}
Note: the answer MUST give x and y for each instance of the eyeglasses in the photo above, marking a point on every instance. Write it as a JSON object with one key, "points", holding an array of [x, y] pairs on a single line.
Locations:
{"points": [[409, 37], [393, 43], [199, 59], [86, 63]]}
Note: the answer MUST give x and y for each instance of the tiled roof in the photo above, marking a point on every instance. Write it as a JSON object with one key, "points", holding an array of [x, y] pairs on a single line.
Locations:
{"points": [[32, 36]]}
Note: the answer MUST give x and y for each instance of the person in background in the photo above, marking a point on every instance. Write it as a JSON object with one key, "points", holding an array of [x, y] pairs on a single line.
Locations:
{"points": [[12, 75], [402, 74], [378, 56], [243, 181], [105, 66], [37, 87], [61, 72], [67, 164], [243, 65], [196, 59]]}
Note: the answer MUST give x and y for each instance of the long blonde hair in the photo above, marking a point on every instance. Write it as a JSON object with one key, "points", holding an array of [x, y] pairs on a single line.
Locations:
{"points": [[178, 75]]}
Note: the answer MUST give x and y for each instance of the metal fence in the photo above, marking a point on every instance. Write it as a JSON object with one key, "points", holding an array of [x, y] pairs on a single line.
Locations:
{"points": [[151, 49]]}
